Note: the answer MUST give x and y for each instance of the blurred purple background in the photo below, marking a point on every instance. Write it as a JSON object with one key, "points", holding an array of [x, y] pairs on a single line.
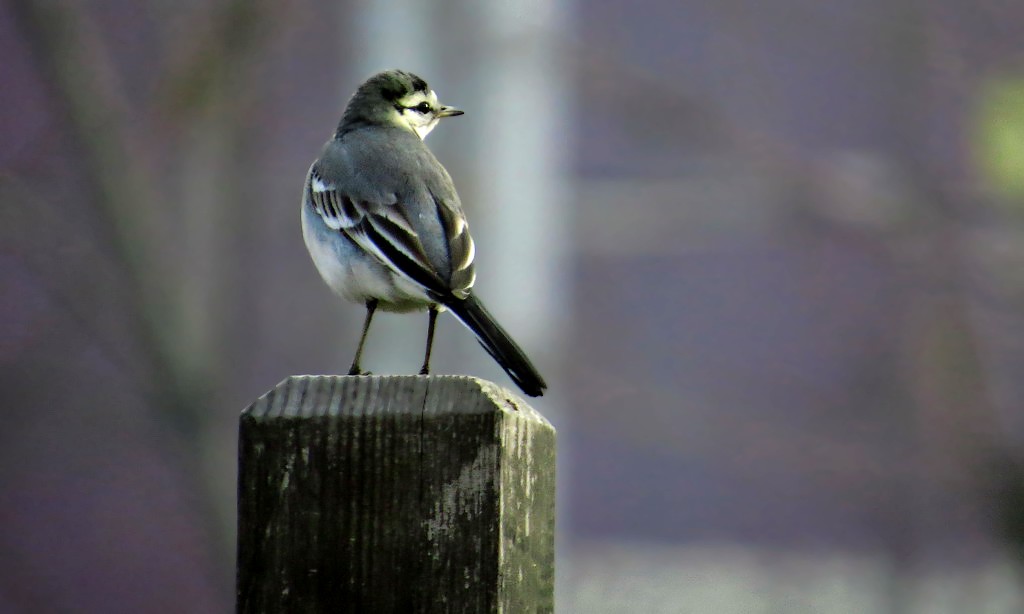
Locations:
{"points": [[770, 257]]}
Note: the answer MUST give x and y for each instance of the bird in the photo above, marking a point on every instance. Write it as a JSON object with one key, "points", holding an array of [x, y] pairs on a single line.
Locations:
{"points": [[384, 225]]}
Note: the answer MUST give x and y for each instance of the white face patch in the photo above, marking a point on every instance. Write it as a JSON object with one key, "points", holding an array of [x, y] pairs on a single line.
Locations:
{"points": [[418, 118]]}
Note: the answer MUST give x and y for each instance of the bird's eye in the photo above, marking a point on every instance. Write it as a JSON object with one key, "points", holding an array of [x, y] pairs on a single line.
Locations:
{"points": [[423, 107]]}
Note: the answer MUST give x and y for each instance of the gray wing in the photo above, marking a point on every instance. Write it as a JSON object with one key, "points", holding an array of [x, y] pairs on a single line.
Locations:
{"points": [[394, 199]]}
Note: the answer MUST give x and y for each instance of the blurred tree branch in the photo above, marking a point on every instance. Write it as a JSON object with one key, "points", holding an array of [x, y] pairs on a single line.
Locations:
{"points": [[214, 63], [137, 210], [87, 83], [171, 224]]}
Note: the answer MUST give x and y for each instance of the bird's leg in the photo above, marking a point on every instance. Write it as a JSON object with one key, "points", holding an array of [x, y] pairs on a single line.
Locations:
{"points": [[371, 306], [432, 315]]}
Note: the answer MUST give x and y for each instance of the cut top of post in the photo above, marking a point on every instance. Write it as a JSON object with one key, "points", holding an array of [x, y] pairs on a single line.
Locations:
{"points": [[312, 396]]}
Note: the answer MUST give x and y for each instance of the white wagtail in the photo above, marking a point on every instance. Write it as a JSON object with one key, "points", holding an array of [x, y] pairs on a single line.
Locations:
{"points": [[385, 227]]}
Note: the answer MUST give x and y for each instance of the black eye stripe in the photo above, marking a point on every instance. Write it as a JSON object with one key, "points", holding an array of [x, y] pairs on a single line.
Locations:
{"points": [[423, 107]]}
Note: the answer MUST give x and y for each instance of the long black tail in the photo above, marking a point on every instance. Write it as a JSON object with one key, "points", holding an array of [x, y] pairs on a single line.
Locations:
{"points": [[498, 344]]}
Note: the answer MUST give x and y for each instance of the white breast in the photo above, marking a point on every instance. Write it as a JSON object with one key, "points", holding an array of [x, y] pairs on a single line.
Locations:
{"points": [[352, 273]]}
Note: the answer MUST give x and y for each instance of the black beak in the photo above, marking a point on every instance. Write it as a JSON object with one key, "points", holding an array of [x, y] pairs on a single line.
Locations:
{"points": [[449, 112]]}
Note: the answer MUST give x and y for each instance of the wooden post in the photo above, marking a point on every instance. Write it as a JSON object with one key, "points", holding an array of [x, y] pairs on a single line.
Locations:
{"points": [[395, 494]]}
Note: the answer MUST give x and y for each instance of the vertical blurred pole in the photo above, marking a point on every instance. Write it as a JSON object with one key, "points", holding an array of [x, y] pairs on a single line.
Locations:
{"points": [[503, 63], [392, 34], [519, 164]]}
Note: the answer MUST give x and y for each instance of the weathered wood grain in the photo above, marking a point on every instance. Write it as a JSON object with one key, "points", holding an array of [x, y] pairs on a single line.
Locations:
{"points": [[395, 494]]}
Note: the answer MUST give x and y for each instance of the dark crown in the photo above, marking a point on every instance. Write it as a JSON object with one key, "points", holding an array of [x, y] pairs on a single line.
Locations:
{"points": [[392, 84], [373, 100]]}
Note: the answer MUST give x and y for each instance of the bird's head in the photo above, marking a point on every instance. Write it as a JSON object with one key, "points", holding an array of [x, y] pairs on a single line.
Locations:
{"points": [[395, 98]]}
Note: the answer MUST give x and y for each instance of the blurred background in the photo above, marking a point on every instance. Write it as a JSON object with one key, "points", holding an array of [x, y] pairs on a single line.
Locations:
{"points": [[769, 256]]}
